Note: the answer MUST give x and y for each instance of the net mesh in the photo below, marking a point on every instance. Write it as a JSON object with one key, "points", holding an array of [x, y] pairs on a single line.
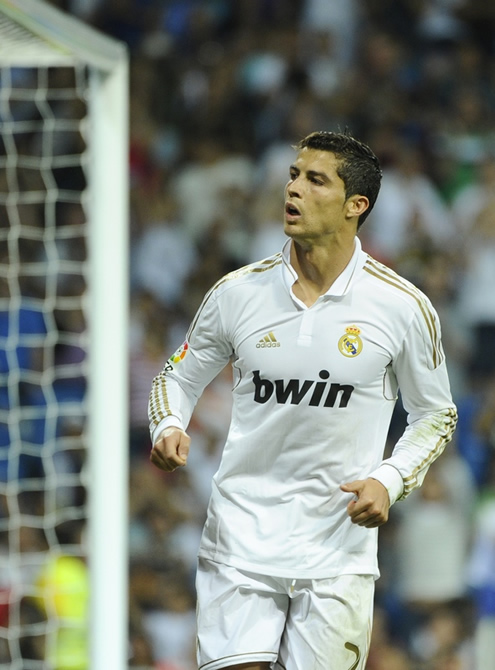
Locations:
{"points": [[43, 362]]}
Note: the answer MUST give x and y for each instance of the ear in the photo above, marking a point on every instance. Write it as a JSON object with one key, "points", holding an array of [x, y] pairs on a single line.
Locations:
{"points": [[356, 205]]}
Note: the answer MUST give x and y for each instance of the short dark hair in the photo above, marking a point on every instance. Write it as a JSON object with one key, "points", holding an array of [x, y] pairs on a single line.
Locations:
{"points": [[359, 168]]}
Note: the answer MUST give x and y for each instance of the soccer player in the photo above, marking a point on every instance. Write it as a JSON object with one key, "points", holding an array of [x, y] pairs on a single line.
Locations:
{"points": [[320, 337]]}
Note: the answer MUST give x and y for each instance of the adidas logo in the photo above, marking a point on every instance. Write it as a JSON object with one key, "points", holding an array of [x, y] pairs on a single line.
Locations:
{"points": [[268, 341]]}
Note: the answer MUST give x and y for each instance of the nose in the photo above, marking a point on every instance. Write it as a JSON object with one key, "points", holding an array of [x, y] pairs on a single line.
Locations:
{"points": [[293, 188]]}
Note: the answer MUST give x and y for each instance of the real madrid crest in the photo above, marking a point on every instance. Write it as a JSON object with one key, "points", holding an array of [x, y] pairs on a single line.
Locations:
{"points": [[351, 344]]}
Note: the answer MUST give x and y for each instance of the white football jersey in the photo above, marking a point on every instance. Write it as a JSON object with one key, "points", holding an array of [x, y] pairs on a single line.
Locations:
{"points": [[314, 391]]}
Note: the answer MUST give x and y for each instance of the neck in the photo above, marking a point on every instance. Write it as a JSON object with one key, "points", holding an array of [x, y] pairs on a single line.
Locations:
{"points": [[317, 268]]}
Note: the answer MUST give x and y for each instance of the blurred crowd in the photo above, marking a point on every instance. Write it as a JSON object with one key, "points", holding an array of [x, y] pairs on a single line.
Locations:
{"points": [[220, 91]]}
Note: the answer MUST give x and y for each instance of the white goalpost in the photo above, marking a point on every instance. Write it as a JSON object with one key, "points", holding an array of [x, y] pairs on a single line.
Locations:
{"points": [[63, 342]]}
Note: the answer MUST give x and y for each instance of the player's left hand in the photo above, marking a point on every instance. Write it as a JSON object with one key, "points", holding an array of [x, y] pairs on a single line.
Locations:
{"points": [[371, 504]]}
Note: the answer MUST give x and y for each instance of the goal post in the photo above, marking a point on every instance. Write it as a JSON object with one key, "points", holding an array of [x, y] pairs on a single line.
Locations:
{"points": [[37, 38]]}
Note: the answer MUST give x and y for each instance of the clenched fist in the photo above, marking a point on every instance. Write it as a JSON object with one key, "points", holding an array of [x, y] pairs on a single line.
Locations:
{"points": [[171, 449]]}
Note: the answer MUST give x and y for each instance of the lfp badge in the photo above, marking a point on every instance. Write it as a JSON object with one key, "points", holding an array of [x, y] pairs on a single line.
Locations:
{"points": [[350, 344], [180, 353]]}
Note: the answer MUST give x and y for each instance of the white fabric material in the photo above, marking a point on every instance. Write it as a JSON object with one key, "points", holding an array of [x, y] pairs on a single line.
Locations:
{"points": [[312, 405], [244, 617], [391, 480]]}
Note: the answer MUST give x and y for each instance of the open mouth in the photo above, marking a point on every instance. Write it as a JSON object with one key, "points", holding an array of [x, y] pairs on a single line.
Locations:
{"points": [[291, 210]]}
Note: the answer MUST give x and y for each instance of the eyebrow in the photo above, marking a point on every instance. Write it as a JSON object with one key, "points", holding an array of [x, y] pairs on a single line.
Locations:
{"points": [[310, 173]]}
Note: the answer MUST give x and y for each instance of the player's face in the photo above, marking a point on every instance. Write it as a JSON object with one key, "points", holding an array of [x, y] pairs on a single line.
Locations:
{"points": [[315, 202]]}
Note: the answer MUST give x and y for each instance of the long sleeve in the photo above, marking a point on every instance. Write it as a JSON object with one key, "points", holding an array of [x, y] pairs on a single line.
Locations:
{"points": [[198, 360], [422, 377]]}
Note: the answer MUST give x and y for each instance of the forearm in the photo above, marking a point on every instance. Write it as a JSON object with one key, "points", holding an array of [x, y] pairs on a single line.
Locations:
{"points": [[170, 404], [422, 442]]}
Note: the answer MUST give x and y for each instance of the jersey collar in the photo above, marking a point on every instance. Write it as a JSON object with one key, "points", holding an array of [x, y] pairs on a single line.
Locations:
{"points": [[343, 282]]}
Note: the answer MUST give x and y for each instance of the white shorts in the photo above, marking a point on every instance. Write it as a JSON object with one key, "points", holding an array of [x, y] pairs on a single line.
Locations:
{"points": [[301, 624]]}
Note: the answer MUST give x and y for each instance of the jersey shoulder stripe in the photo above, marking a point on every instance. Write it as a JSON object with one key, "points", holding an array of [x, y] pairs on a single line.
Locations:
{"points": [[387, 275], [253, 268]]}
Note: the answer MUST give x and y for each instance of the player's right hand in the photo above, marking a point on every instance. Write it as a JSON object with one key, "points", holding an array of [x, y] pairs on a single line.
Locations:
{"points": [[171, 449]]}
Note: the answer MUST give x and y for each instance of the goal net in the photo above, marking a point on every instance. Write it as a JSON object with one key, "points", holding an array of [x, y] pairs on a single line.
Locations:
{"points": [[63, 292]]}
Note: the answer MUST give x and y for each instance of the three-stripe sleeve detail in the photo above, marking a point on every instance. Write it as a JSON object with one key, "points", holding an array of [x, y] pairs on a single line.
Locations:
{"points": [[159, 404], [450, 423]]}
